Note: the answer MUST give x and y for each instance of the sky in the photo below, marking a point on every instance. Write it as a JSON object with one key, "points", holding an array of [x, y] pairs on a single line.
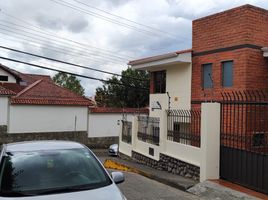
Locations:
{"points": [[100, 34]]}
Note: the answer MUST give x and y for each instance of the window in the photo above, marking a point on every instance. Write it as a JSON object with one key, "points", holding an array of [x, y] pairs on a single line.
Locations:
{"points": [[3, 78], [227, 74], [160, 82], [207, 76]]}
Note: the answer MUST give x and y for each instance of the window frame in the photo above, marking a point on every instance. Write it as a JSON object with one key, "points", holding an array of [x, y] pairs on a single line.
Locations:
{"points": [[3, 78], [160, 85], [222, 73], [202, 76]]}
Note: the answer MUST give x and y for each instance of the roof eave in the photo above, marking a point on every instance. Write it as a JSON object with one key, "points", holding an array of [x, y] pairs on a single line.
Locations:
{"points": [[151, 64]]}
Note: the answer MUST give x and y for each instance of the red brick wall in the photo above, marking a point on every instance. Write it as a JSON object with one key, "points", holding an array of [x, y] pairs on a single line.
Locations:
{"points": [[243, 25], [238, 26]]}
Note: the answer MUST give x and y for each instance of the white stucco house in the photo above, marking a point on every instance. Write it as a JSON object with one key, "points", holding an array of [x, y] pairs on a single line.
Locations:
{"points": [[33, 103]]}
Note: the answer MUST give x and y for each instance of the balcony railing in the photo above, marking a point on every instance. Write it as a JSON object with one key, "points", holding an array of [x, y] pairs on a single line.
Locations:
{"points": [[148, 129], [126, 131], [184, 126]]}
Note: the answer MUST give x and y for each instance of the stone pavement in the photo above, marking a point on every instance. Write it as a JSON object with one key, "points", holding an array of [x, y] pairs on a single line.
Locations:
{"points": [[210, 190]]}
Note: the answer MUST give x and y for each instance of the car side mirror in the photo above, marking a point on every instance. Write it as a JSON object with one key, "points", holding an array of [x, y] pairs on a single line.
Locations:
{"points": [[118, 177]]}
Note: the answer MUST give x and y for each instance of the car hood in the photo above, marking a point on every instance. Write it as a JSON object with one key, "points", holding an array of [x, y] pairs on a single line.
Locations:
{"points": [[104, 193]]}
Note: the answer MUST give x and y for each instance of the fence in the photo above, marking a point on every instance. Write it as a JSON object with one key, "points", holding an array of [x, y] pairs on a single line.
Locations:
{"points": [[127, 131], [148, 129], [244, 138], [183, 126]]}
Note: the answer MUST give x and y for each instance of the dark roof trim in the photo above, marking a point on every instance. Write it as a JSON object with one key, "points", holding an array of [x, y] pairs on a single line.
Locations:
{"points": [[12, 72], [241, 46]]}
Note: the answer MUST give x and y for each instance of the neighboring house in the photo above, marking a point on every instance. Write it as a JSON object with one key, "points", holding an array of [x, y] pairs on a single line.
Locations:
{"points": [[228, 64], [32, 103]]}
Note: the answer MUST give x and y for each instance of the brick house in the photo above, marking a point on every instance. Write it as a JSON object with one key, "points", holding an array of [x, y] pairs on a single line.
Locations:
{"points": [[228, 63]]}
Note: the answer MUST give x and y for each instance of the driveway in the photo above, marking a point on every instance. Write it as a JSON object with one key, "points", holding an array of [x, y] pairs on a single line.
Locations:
{"points": [[137, 187]]}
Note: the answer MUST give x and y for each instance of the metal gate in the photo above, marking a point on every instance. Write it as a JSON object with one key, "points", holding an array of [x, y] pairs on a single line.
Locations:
{"points": [[244, 139]]}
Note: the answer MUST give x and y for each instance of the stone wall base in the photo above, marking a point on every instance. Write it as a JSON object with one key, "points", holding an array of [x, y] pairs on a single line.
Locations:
{"points": [[77, 136], [169, 164], [101, 142], [3, 129]]}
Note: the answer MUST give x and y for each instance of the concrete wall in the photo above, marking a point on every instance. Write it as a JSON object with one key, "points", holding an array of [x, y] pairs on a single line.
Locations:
{"points": [[3, 110], [34, 118], [105, 124], [178, 85], [11, 78], [205, 158]]}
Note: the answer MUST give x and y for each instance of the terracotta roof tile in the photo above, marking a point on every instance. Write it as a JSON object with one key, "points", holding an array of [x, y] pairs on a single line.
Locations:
{"points": [[4, 91], [40, 90], [118, 110], [16, 88], [44, 92]]}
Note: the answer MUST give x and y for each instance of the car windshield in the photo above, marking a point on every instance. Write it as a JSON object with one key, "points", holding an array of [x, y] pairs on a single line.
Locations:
{"points": [[45, 172]]}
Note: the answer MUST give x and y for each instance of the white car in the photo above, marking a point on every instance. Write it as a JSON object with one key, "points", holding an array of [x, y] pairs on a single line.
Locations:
{"points": [[113, 150], [55, 170]]}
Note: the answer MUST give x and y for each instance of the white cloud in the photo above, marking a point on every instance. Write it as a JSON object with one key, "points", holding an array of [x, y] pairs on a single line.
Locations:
{"points": [[172, 17]]}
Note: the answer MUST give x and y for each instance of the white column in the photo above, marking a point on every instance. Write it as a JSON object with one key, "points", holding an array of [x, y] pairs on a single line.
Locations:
{"points": [[210, 141], [163, 131], [134, 132], [4, 104]]}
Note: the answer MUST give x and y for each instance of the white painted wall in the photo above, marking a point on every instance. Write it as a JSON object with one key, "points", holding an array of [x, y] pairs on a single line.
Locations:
{"points": [[3, 110], [178, 85], [186, 153], [207, 157], [210, 141], [105, 124], [35, 118], [11, 78]]}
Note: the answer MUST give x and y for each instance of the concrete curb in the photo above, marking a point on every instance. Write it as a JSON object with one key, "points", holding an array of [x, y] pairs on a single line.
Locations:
{"points": [[111, 164]]}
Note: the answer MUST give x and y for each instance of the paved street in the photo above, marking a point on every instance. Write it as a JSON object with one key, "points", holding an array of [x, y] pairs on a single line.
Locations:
{"points": [[137, 187]]}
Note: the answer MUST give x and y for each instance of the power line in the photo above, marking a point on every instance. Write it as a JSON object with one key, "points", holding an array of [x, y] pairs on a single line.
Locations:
{"points": [[54, 48], [72, 6], [115, 57], [70, 73], [123, 18], [64, 38], [68, 63]]}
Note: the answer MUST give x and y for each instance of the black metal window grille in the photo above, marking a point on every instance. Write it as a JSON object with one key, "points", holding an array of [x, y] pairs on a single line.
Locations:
{"points": [[126, 132], [148, 129], [3, 78], [184, 126]]}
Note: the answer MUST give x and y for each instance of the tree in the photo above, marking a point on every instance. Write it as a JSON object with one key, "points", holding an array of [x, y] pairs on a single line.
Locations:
{"points": [[70, 82], [131, 90]]}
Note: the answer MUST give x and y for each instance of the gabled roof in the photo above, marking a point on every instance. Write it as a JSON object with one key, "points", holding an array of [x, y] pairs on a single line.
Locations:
{"points": [[47, 93], [40, 90], [11, 71]]}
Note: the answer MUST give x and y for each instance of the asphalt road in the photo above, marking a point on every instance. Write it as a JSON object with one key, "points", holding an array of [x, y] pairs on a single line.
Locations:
{"points": [[137, 187]]}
